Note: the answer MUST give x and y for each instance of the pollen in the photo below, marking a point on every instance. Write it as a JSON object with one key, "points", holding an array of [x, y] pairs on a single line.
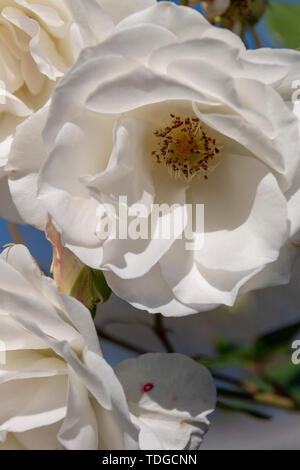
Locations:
{"points": [[186, 149]]}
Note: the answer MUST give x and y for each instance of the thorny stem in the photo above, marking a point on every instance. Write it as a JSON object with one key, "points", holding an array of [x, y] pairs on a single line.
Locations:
{"points": [[160, 331], [121, 343]]}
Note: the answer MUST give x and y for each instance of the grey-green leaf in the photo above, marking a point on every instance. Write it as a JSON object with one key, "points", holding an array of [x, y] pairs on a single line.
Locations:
{"points": [[284, 21]]}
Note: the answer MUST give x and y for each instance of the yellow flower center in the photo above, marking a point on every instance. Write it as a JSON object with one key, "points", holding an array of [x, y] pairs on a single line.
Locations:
{"points": [[186, 149]]}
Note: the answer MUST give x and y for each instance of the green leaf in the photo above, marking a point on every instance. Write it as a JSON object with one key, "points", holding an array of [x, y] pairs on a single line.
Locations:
{"points": [[232, 360], [226, 347], [102, 287], [229, 353], [294, 382], [274, 341], [286, 375], [242, 407], [234, 393], [91, 288], [284, 21]]}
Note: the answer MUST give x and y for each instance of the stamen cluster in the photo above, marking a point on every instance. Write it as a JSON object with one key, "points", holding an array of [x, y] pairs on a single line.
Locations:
{"points": [[185, 148]]}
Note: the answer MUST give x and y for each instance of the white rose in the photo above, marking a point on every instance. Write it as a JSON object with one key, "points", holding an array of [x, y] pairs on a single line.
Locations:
{"points": [[38, 43], [57, 391], [163, 66], [53, 357]]}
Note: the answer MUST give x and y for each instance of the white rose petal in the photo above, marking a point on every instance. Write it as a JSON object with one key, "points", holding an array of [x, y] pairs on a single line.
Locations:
{"points": [[170, 396], [99, 142]]}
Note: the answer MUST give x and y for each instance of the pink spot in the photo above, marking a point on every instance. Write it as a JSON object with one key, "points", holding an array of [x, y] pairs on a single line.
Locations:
{"points": [[13, 171], [174, 398], [147, 388]]}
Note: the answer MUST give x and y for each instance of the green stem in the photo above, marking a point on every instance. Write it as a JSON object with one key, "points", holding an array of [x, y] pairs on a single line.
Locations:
{"points": [[161, 332], [184, 2]]}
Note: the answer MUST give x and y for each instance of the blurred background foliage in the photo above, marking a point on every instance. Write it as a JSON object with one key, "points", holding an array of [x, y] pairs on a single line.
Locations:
{"points": [[283, 22]]}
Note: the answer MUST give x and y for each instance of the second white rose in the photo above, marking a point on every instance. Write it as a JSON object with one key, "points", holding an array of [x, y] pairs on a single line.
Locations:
{"points": [[38, 43]]}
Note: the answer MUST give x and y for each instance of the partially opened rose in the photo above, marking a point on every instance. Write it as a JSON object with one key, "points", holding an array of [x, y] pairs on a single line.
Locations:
{"points": [[57, 391], [39, 41], [171, 110]]}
